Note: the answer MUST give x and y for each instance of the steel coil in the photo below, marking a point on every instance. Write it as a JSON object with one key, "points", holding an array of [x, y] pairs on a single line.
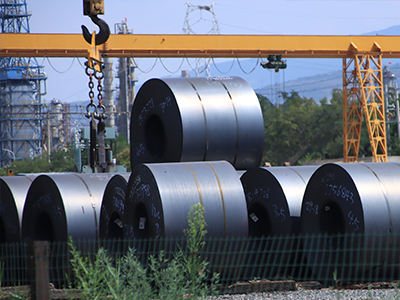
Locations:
{"points": [[113, 207], [348, 209], [197, 119], [159, 197], [59, 206], [274, 196], [13, 192]]}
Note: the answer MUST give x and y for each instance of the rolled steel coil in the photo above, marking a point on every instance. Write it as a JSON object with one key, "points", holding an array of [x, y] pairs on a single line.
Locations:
{"points": [[197, 119], [112, 210], [350, 221], [13, 190], [63, 205], [159, 197], [274, 196], [59, 206]]}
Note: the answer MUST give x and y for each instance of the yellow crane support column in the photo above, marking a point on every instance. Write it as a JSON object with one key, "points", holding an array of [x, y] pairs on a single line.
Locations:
{"points": [[363, 92], [352, 112]]}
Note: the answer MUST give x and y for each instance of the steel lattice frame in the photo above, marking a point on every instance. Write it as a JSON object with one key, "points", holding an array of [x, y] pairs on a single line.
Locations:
{"points": [[20, 92], [363, 93]]}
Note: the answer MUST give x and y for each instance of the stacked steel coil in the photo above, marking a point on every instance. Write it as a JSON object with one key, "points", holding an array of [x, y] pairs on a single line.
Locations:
{"points": [[352, 206], [63, 205], [197, 119], [160, 196], [274, 196], [13, 192], [113, 207]]}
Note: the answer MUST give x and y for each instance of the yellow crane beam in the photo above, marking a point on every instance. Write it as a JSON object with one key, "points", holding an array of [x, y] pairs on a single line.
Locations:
{"points": [[142, 45], [362, 65]]}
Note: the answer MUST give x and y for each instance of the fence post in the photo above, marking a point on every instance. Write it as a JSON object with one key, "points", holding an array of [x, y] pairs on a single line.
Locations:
{"points": [[39, 276]]}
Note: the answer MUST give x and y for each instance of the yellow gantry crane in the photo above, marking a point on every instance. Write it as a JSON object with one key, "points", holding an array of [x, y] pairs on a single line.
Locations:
{"points": [[363, 93]]}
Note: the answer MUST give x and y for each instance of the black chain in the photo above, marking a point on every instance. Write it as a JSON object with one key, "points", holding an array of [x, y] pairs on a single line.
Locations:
{"points": [[99, 110]]}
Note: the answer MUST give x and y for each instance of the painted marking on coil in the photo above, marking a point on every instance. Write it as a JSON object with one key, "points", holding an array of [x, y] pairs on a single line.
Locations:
{"points": [[222, 197], [145, 111], [57, 211], [45, 199], [165, 104], [281, 212], [311, 207], [339, 191], [197, 184], [158, 231], [155, 212], [257, 194], [118, 203], [142, 191], [353, 221], [140, 150]]}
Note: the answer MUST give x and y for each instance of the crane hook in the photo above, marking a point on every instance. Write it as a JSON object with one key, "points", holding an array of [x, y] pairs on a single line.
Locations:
{"points": [[103, 34]]}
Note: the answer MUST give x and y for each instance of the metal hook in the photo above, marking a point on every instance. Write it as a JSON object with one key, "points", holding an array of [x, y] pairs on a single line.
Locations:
{"points": [[103, 34]]}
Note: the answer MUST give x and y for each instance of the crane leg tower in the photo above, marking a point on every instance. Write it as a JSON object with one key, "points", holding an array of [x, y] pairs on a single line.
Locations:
{"points": [[363, 95]]}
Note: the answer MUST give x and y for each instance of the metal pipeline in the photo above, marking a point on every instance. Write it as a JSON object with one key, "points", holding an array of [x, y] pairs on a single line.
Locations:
{"points": [[274, 196], [13, 192], [197, 119], [350, 224]]}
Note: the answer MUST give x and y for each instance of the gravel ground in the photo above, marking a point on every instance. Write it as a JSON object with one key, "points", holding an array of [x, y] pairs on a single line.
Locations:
{"points": [[323, 294]]}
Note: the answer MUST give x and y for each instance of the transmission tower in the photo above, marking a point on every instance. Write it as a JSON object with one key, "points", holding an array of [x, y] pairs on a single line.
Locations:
{"points": [[202, 65], [22, 83]]}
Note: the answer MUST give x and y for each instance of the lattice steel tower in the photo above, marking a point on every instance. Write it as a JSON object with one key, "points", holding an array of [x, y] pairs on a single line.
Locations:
{"points": [[202, 65], [22, 83]]}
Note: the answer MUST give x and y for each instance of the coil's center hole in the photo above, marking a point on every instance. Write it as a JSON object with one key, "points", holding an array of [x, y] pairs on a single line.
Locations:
{"points": [[259, 221], [141, 219], [2, 232], [332, 224], [115, 226], [154, 136], [44, 230]]}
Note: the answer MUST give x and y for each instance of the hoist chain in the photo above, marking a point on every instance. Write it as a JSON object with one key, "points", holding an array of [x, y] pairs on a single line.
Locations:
{"points": [[98, 112]]}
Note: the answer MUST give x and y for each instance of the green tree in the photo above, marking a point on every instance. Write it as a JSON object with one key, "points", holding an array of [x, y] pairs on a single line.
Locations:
{"points": [[60, 161], [123, 152]]}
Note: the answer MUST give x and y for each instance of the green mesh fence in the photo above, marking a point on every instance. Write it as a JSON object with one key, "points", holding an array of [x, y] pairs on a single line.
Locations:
{"points": [[244, 265]]}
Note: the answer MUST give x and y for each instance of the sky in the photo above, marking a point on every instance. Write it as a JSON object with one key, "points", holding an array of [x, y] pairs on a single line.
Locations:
{"points": [[67, 81]]}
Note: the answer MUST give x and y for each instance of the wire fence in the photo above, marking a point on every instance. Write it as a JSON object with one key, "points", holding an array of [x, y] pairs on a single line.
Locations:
{"points": [[244, 265]]}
